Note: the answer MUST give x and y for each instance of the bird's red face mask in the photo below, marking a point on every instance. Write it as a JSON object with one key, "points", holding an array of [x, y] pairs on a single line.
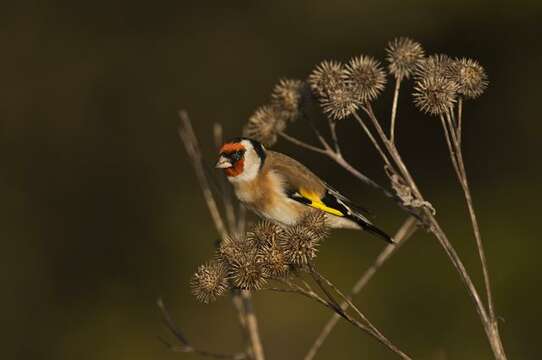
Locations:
{"points": [[231, 159]]}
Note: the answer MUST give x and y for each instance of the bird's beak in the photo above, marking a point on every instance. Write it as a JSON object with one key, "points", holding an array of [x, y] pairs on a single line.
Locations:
{"points": [[223, 163]]}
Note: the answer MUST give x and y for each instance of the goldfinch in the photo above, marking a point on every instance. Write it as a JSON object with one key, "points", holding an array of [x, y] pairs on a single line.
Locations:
{"points": [[279, 188]]}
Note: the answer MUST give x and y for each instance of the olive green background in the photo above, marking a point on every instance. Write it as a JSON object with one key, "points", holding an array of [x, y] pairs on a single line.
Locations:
{"points": [[101, 213]]}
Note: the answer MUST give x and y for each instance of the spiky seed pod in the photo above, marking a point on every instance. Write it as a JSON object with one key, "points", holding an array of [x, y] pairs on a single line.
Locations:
{"points": [[470, 77], [434, 66], [274, 260], [327, 76], [340, 102], [435, 95], [232, 248], [316, 222], [209, 281], [247, 271], [286, 98], [264, 233], [403, 55], [264, 125], [300, 245], [366, 77]]}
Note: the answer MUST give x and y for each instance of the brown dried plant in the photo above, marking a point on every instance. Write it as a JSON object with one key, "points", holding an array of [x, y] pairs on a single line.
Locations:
{"points": [[273, 258]]}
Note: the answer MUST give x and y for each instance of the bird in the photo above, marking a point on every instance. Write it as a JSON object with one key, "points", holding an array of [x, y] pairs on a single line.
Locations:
{"points": [[280, 189]]}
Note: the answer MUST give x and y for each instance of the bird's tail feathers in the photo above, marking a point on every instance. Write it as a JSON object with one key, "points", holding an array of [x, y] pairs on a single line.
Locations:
{"points": [[369, 227]]}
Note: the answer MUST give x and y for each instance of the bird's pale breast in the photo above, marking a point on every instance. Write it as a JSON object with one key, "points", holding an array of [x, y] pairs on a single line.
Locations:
{"points": [[266, 197]]}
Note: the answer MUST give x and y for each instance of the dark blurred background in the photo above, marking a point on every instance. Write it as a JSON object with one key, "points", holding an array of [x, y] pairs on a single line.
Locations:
{"points": [[102, 214]]}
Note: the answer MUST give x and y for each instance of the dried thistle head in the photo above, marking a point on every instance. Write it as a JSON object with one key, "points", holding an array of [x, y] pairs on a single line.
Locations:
{"points": [[264, 125], [264, 232], [316, 222], [300, 245], [327, 76], [286, 98], [232, 247], [247, 271], [470, 77], [340, 102], [274, 260], [209, 281], [438, 65], [435, 95], [365, 77], [240, 254], [403, 55]]}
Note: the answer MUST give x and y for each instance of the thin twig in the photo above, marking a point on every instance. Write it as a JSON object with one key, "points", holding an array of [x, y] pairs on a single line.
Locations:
{"points": [[252, 326], [451, 150], [334, 138], [302, 143], [459, 120], [373, 140], [402, 235], [394, 110], [462, 177], [185, 346], [312, 295], [190, 141]]}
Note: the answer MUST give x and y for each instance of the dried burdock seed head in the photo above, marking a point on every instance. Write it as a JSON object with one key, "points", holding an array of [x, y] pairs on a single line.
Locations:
{"points": [[366, 77], [340, 102], [438, 65], [240, 255], [435, 95], [327, 76], [264, 233], [247, 271], [274, 260], [403, 55], [286, 98], [264, 125], [209, 281], [232, 248], [316, 222], [299, 244], [470, 76]]}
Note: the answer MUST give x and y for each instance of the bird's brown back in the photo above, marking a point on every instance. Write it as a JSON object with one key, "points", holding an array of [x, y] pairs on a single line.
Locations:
{"points": [[294, 173]]}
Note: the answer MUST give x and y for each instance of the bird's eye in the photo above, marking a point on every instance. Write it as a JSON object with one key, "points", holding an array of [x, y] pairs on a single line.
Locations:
{"points": [[236, 156]]}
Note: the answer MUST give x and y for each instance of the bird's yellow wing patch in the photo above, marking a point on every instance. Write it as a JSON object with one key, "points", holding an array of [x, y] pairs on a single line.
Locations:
{"points": [[315, 202]]}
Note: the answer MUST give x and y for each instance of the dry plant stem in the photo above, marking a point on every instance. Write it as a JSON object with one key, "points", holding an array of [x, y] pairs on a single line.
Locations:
{"points": [[488, 324], [322, 282], [252, 326], [189, 139], [186, 346], [347, 300], [450, 147], [404, 233], [459, 119], [302, 144], [462, 177], [394, 109], [373, 140], [333, 130], [309, 293]]}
